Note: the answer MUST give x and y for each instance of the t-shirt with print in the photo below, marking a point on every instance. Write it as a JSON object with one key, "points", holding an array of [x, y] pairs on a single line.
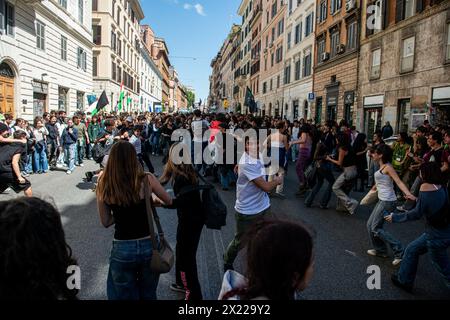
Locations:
{"points": [[250, 199]]}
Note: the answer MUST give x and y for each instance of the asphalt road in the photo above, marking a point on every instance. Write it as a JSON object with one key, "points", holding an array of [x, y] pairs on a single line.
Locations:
{"points": [[341, 261]]}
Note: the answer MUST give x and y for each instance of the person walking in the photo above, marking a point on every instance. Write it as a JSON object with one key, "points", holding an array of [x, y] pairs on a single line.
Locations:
{"points": [[191, 219], [252, 201], [384, 186], [121, 202], [278, 145], [83, 139], [433, 204], [347, 161], [94, 129], [304, 156]]}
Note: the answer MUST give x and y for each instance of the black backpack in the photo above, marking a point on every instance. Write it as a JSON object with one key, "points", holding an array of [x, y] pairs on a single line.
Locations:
{"points": [[99, 151], [214, 209], [441, 219]]}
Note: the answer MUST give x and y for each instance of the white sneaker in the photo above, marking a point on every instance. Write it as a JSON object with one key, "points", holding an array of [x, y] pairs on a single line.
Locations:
{"points": [[81, 165], [59, 166], [396, 262], [69, 172], [375, 253], [353, 206]]}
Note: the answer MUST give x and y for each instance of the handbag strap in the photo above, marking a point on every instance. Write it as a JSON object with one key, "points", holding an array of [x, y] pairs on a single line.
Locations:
{"points": [[152, 215]]}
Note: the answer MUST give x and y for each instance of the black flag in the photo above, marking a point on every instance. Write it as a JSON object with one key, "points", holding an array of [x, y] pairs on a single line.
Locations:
{"points": [[101, 103]]}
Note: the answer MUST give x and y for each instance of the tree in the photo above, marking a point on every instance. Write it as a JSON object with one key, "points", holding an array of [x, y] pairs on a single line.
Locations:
{"points": [[190, 98]]}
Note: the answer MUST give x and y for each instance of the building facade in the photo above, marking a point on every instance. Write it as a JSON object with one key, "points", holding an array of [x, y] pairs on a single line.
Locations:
{"points": [[45, 56], [116, 53], [256, 31], [243, 79], [151, 82], [298, 60], [336, 60], [404, 73], [271, 73]]}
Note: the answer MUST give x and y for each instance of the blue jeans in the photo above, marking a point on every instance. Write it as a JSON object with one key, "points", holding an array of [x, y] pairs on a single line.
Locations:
{"points": [[29, 164], [437, 248], [79, 152], [70, 151], [154, 142], [324, 172], [379, 237], [130, 276], [40, 158]]}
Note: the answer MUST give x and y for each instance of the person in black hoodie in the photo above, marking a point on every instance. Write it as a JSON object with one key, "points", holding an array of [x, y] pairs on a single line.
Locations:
{"points": [[52, 141], [190, 223]]}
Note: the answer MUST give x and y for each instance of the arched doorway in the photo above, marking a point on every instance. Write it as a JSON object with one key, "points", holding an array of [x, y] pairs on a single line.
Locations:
{"points": [[6, 88]]}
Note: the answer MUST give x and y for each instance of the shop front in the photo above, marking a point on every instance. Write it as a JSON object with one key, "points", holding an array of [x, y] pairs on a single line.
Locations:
{"points": [[373, 114], [440, 112], [40, 98]]}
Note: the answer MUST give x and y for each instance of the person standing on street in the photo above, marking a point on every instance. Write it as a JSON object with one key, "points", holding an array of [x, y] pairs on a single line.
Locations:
{"points": [[121, 202], [53, 141], [252, 200], [83, 139], [387, 131], [93, 132], [69, 143], [40, 133]]}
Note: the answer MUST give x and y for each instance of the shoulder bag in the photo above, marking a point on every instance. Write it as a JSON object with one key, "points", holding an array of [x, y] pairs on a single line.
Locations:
{"points": [[162, 254]]}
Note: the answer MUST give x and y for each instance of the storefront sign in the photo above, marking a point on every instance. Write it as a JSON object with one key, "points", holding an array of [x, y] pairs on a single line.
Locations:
{"points": [[331, 101], [373, 101], [39, 87], [441, 95]]}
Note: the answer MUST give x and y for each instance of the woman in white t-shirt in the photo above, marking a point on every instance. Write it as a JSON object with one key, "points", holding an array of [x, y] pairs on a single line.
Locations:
{"points": [[252, 201]]}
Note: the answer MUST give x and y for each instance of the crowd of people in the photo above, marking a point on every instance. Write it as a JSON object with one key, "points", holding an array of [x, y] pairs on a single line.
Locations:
{"points": [[406, 180]]}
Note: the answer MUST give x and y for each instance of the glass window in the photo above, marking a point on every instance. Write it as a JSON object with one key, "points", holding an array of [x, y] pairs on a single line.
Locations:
{"points": [[376, 64], [448, 41], [410, 8], [63, 48], [352, 34], [407, 63], [81, 11], [40, 35], [334, 43]]}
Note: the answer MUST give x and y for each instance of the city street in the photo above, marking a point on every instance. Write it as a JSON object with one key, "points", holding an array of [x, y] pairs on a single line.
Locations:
{"points": [[341, 243]]}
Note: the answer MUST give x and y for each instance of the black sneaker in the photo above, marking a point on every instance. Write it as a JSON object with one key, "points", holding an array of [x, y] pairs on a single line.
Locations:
{"points": [[89, 176], [397, 283], [177, 288]]}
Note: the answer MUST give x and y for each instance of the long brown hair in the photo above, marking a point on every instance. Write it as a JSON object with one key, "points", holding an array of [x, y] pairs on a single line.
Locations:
{"points": [[172, 170], [121, 181]]}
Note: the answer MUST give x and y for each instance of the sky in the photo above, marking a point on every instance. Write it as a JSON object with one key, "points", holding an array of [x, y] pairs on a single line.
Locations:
{"points": [[192, 29]]}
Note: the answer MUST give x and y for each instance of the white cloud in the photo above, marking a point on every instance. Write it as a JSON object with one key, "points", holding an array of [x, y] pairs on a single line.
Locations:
{"points": [[198, 8]]}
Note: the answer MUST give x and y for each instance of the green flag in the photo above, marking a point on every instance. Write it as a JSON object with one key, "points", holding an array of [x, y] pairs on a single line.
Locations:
{"points": [[121, 97]]}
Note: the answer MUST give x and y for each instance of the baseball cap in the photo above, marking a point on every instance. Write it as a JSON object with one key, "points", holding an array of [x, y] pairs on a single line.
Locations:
{"points": [[3, 128], [129, 119]]}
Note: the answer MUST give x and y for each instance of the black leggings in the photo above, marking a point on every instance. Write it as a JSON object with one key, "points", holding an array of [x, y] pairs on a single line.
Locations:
{"points": [[188, 237]]}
